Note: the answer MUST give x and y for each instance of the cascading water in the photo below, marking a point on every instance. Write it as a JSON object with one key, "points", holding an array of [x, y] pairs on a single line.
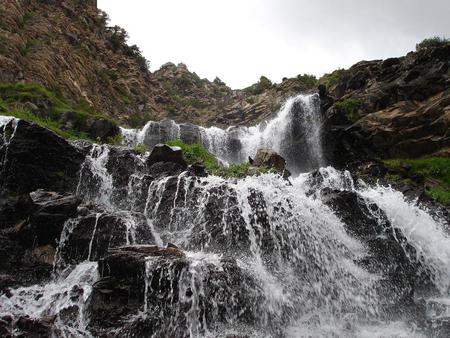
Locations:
{"points": [[261, 256], [295, 132]]}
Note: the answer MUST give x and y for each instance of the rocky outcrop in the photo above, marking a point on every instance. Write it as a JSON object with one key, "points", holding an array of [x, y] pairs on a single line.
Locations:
{"points": [[33, 158], [397, 107], [163, 281], [68, 46]]}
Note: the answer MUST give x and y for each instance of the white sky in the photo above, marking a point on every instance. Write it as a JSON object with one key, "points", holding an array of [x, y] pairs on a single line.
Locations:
{"points": [[240, 40]]}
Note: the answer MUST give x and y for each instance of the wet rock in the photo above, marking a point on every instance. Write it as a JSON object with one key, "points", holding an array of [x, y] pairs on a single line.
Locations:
{"points": [[91, 236], [102, 129], [165, 153], [35, 158], [14, 208], [389, 252], [44, 254], [198, 169], [46, 222], [166, 279], [270, 159]]}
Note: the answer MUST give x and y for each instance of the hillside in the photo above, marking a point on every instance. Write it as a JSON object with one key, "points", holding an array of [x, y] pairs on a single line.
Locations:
{"points": [[67, 46], [397, 107]]}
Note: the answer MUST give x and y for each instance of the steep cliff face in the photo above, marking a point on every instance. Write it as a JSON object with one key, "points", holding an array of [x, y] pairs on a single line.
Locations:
{"points": [[68, 47]]}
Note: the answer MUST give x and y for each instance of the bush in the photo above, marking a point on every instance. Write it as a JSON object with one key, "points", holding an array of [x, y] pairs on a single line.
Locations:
{"points": [[432, 42], [351, 107], [141, 148], [333, 78], [308, 80], [258, 88], [435, 168]]}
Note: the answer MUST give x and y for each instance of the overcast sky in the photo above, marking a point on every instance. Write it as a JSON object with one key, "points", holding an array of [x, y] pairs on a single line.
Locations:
{"points": [[240, 40]]}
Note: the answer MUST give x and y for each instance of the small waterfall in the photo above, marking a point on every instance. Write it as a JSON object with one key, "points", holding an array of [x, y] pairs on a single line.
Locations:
{"points": [[295, 132]]}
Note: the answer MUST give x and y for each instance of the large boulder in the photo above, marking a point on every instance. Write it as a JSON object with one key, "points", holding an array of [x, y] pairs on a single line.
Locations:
{"points": [[33, 158], [165, 153], [269, 158]]}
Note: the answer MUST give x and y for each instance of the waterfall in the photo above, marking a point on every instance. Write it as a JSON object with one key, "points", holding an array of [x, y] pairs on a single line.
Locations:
{"points": [[320, 255], [294, 132]]}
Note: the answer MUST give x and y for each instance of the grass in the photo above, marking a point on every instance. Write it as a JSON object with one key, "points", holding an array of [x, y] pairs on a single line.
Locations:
{"points": [[46, 123], [198, 153], [141, 148], [15, 99], [433, 169], [351, 107]]}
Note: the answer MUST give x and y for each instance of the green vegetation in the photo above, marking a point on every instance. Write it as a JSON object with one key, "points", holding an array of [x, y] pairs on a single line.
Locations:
{"points": [[434, 172], [114, 140], [35, 103], [198, 153], [259, 87], [141, 148], [351, 107], [333, 78], [308, 80], [432, 42], [46, 123]]}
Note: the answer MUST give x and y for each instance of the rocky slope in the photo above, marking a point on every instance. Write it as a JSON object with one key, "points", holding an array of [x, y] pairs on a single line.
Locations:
{"points": [[400, 107], [67, 46]]}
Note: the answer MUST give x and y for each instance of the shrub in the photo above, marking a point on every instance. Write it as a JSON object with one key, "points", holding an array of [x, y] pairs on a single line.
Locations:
{"points": [[141, 148], [432, 42], [333, 78], [351, 107], [258, 88], [308, 80], [435, 168]]}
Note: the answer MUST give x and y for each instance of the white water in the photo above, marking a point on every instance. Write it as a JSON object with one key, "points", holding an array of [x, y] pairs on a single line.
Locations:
{"points": [[294, 132], [295, 259], [52, 299]]}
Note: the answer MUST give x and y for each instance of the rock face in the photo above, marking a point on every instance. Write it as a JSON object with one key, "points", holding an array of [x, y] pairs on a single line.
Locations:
{"points": [[68, 45], [400, 105], [166, 274], [390, 253]]}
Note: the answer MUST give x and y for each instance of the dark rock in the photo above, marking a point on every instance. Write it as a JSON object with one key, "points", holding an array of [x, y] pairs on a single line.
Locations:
{"points": [[96, 233], [389, 252], [14, 208], [46, 223], [35, 158], [270, 159], [102, 129], [197, 169], [165, 153], [229, 294]]}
